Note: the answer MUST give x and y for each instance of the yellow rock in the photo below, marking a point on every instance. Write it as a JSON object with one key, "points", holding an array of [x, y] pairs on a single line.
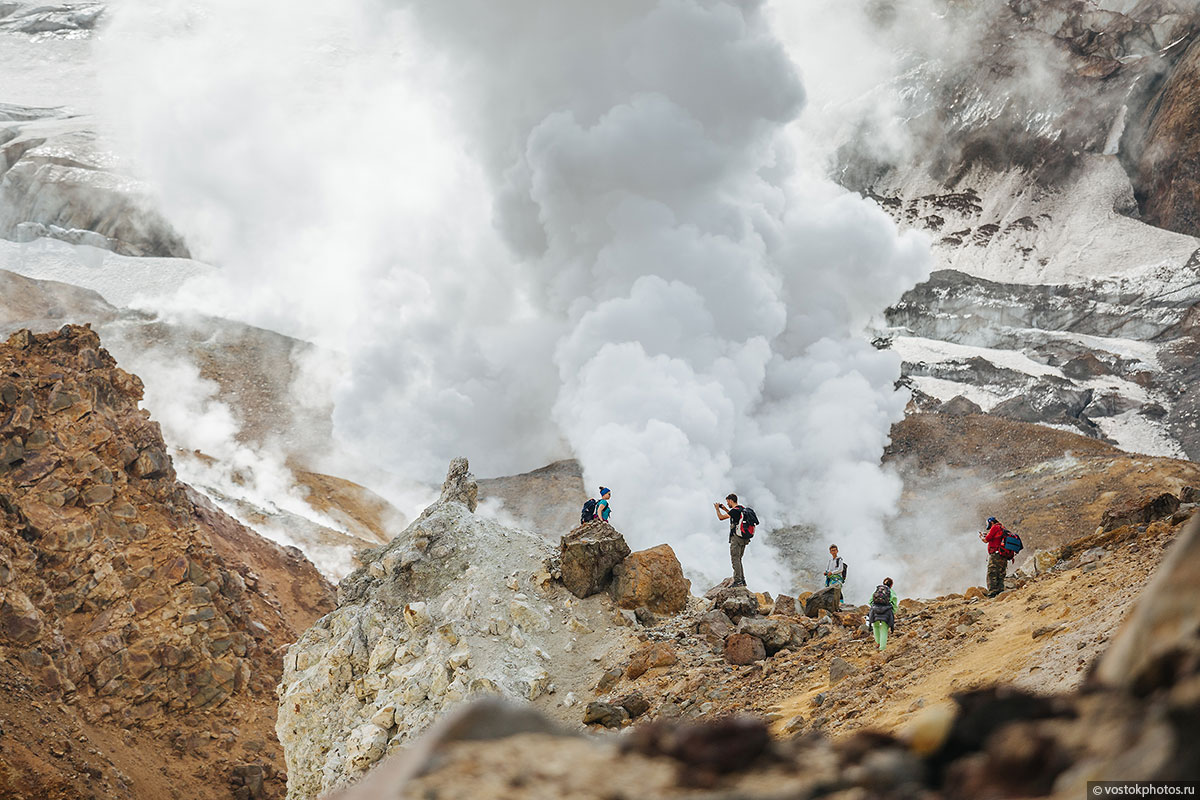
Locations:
{"points": [[926, 733]]}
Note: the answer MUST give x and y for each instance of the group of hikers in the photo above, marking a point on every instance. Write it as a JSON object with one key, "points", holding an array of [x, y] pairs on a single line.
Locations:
{"points": [[1002, 547]]}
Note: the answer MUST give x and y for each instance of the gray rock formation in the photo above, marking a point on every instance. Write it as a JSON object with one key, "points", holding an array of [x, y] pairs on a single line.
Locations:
{"points": [[60, 18], [546, 500], [454, 607]]}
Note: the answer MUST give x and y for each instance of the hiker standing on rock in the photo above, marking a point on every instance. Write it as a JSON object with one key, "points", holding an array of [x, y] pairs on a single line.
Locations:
{"points": [[998, 557], [737, 543], [603, 509], [835, 570], [882, 617]]}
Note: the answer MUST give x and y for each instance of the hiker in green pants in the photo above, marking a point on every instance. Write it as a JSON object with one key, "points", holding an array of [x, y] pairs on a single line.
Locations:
{"points": [[882, 618]]}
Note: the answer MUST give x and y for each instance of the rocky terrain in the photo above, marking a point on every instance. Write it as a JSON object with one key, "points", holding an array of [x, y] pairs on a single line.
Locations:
{"points": [[594, 636], [140, 626], [1061, 680], [454, 607]]}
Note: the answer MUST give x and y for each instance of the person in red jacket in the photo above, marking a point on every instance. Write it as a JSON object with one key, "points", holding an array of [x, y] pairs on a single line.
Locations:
{"points": [[998, 557]]}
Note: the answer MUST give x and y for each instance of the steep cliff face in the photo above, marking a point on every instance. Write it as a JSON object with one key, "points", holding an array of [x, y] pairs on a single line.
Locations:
{"points": [[1167, 168], [454, 607], [138, 612]]}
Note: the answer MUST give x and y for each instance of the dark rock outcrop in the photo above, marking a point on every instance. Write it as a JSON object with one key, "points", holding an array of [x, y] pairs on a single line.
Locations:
{"points": [[827, 599], [589, 554], [1141, 511]]}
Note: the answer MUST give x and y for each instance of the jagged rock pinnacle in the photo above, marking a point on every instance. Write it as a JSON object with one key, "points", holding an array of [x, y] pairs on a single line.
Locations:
{"points": [[460, 486]]}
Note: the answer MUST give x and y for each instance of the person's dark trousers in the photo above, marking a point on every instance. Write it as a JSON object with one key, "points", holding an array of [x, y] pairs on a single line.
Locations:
{"points": [[737, 546], [997, 567]]}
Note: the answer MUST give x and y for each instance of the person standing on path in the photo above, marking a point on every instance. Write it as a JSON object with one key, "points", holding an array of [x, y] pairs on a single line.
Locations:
{"points": [[737, 543], [882, 617], [998, 557], [835, 570], [603, 509]]}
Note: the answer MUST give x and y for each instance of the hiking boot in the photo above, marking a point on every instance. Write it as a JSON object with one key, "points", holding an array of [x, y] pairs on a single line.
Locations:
{"points": [[738, 583]]}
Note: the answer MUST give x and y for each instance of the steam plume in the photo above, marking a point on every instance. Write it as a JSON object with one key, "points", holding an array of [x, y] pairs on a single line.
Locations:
{"points": [[658, 285]]}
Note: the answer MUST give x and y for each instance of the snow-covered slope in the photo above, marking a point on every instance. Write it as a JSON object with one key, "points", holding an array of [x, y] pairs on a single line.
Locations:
{"points": [[1052, 301]]}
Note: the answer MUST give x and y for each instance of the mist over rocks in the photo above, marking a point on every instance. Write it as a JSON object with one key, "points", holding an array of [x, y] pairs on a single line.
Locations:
{"points": [[1029, 150], [61, 18]]}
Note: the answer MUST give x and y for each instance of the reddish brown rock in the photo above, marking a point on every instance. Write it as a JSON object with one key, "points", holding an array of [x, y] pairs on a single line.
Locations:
{"points": [[742, 648], [784, 605], [652, 578], [20, 620], [649, 656], [119, 602]]}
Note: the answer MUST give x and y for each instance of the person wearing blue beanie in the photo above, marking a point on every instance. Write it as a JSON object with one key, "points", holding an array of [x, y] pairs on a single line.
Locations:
{"points": [[603, 509]]}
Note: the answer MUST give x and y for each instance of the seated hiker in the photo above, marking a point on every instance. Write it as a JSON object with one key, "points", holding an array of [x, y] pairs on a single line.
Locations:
{"points": [[603, 509], [835, 570], [882, 617]]}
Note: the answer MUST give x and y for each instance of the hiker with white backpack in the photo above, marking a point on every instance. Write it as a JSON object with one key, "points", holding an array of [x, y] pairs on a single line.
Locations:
{"points": [[835, 570]]}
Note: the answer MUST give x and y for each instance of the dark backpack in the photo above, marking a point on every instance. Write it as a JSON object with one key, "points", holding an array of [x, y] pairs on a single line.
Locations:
{"points": [[1011, 543], [748, 522], [588, 513], [882, 596], [843, 571]]}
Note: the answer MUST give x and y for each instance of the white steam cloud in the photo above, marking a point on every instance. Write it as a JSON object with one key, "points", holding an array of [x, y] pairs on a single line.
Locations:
{"points": [[540, 229]]}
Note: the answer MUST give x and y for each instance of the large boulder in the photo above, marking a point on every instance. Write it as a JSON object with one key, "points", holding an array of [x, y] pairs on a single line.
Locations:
{"points": [[652, 578], [775, 634], [784, 604], [742, 649], [649, 656], [589, 554], [606, 714], [959, 406], [716, 624], [735, 602], [828, 599]]}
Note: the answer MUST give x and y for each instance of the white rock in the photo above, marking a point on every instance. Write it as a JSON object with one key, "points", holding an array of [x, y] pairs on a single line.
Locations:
{"points": [[459, 658], [446, 631], [366, 745], [526, 617], [382, 655], [385, 717], [417, 615]]}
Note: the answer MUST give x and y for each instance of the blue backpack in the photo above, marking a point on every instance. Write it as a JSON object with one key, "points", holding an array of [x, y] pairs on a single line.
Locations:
{"points": [[588, 513], [1011, 542]]}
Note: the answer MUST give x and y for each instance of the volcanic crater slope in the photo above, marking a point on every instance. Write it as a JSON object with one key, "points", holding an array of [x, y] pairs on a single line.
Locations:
{"points": [[139, 625]]}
